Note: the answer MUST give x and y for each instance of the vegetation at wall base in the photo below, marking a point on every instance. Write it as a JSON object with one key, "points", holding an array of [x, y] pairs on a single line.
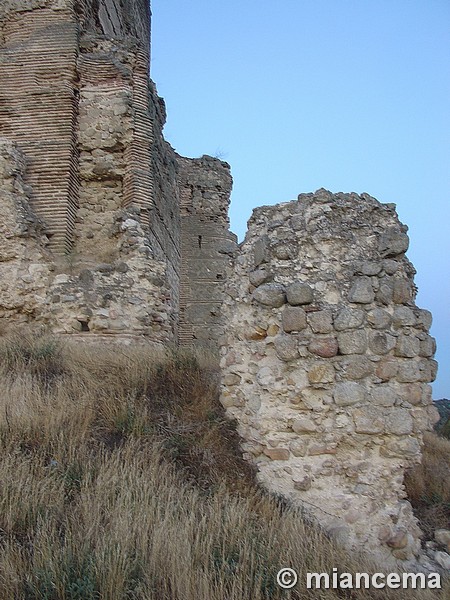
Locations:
{"points": [[428, 485], [122, 479]]}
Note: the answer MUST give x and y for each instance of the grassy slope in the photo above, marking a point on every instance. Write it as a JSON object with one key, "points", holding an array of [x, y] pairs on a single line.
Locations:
{"points": [[121, 479]]}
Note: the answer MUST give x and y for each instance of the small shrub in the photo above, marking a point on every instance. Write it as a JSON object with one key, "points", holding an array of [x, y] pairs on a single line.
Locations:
{"points": [[33, 352]]}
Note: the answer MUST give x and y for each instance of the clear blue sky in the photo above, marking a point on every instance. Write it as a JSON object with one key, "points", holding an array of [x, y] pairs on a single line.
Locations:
{"points": [[350, 95]]}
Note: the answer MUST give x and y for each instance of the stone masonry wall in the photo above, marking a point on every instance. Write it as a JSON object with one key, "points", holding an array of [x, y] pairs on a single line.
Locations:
{"points": [[24, 272], [107, 234], [38, 106], [76, 99], [326, 364], [205, 187]]}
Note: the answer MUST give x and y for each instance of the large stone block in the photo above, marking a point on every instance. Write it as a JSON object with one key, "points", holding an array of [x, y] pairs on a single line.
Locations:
{"points": [[294, 319], [270, 294], [349, 318], [347, 393], [362, 291], [299, 293], [321, 321], [352, 342]]}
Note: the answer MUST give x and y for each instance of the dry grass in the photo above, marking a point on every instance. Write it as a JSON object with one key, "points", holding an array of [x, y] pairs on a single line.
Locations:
{"points": [[121, 479], [428, 485]]}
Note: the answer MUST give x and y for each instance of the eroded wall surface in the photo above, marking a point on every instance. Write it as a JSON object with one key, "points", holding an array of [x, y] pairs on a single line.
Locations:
{"points": [[207, 244], [107, 233], [77, 103], [38, 106], [327, 361]]}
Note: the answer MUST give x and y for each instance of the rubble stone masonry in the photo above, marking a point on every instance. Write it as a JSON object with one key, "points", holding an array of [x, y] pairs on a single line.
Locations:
{"points": [[107, 234], [326, 364]]}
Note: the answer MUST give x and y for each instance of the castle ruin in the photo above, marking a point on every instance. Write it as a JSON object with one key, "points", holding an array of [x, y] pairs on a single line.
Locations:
{"points": [[108, 234]]}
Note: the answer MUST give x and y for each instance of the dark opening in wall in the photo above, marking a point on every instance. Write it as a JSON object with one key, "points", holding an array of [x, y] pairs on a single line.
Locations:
{"points": [[84, 325]]}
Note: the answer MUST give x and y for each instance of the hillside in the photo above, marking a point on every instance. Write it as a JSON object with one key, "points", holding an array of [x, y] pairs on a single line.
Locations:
{"points": [[121, 478], [443, 425]]}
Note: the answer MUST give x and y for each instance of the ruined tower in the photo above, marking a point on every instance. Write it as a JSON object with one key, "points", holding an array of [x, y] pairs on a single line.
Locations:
{"points": [[107, 234], [81, 125]]}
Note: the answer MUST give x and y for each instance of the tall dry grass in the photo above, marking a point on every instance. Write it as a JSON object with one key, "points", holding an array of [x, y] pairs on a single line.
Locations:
{"points": [[120, 479], [428, 485]]}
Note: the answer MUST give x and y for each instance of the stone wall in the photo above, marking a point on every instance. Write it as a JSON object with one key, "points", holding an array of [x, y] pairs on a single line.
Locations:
{"points": [[24, 271], [38, 106], [327, 361], [207, 244], [108, 234], [77, 101]]}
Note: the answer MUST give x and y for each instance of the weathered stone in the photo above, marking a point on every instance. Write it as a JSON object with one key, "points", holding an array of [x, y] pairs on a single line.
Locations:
{"points": [[398, 540], [403, 316], [255, 333], [402, 292], [273, 329], [408, 371], [232, 379], [286, 347], [277, 453], [413, 393], [304, 425], [356, 367], [285, 251], [385, 290], [303, 484], [399, 422], [265, 376], [321, 373], [383, 395], [270, 294], [368, 420], [229, 400], [298, 447], [427, 346], [427, 370], [318, 449], [424, 319], [352, 342], [348, 392], [442, 536], [317, 399], [261, 250], [379, 318], [260, 276], [362, 291], [407, 346], [349, 318], [370, 268], [324, 347], [390, 266], [294, 319], [400, 447], [393, 242], [321, 321], [298, 293], [381, 343], [386, 369]]}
